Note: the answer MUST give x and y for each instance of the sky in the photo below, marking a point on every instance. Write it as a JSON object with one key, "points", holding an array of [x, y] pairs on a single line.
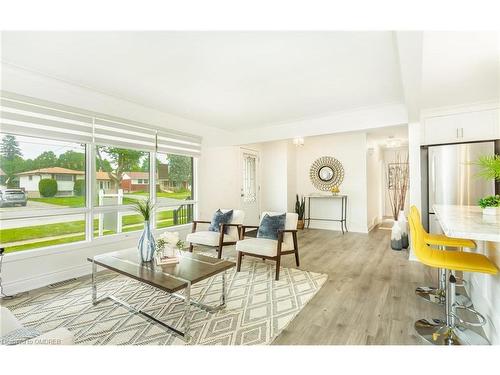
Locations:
{"points": [[32, 147]]}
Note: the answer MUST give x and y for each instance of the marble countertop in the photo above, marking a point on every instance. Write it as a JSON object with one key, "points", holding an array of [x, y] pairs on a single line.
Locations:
{"points": [[468, 222]]}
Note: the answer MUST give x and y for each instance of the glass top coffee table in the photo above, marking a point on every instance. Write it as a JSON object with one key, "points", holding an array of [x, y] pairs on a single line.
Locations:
{"points": [[170, 278]]}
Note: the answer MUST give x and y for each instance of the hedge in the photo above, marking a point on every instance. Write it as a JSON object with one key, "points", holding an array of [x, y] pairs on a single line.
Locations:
{"points": [[47, 187], [79, 188]]}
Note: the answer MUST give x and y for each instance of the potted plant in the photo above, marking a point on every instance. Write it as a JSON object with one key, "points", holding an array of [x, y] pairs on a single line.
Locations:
{"points": [[300, 208], [146, 245], [489, 169], [490, 204]]}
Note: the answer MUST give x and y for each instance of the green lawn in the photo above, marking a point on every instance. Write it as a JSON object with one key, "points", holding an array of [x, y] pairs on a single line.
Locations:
{"points": [[62, 201]]}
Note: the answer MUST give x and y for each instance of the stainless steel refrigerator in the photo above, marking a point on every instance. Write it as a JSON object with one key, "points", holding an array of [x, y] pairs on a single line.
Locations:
{"points": [[449, 176]]}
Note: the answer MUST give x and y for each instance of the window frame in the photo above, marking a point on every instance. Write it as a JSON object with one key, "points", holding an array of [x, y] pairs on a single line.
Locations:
{"points": [[89, 211]]}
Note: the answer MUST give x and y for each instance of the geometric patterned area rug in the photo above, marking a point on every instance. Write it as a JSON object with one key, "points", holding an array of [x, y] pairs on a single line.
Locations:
{"points": [[258, 308]]}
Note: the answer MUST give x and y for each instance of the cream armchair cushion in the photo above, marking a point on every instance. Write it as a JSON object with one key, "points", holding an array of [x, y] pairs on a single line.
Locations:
{"points": [[267, 247], [209, 238], [58, 336], [261, 246]]}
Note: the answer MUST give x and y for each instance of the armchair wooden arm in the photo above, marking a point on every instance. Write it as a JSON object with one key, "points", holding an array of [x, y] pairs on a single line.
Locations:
{"points": [[243, 230], [281, 235], [222, 230], [195, 222]]}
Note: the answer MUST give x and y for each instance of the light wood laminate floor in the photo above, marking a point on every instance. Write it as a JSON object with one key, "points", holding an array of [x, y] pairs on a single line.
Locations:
{"points": [[369, 297]]}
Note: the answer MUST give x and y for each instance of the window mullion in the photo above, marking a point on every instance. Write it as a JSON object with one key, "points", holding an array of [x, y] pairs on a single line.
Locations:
{"points": [[152, 185], [90, 190]]}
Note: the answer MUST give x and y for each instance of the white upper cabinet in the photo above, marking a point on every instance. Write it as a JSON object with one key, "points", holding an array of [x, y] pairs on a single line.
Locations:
{"points": [[462, 127]]}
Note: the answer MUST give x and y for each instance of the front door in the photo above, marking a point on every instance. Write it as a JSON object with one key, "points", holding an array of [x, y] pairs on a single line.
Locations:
{"points": [[250, 188]]}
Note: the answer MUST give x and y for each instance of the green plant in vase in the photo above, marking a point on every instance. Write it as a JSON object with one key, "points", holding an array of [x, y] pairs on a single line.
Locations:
{"points": [[490, 204], [300, 208], [146, 245], [489, 169]]}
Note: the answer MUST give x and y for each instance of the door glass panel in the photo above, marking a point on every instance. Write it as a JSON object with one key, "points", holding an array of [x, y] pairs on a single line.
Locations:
{"points": [[249, 192]]}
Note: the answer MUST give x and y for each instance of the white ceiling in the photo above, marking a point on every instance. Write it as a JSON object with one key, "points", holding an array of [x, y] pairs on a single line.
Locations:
{"points": [[460, 68], [241, 81], [230, 80]]}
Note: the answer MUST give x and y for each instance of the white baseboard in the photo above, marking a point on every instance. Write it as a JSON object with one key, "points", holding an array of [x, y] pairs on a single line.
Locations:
{"points": [[39, 281]]}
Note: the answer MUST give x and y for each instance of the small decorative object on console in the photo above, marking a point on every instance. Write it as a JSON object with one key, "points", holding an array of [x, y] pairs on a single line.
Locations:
{"points": [[335, 190]]}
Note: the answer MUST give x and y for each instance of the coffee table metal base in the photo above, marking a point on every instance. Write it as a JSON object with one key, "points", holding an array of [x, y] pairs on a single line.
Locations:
{"points": [[186, 297]]}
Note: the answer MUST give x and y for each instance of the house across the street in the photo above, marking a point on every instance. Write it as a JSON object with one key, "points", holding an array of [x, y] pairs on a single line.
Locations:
{"points": [[65, 180], [135, 181]]}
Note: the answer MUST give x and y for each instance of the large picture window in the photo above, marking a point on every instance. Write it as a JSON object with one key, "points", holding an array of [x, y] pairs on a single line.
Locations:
{"points": [[40, 174], [68, 175]]}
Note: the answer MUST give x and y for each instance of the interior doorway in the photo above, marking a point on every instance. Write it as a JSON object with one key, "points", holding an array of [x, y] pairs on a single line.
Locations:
{"points": [[250, 185]]}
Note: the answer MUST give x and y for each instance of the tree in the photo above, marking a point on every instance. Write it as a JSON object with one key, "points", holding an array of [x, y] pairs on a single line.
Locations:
{"points": [[123, 160], [46, 159], [179, 168], [9, 148], [72, 160], [11, 161]]}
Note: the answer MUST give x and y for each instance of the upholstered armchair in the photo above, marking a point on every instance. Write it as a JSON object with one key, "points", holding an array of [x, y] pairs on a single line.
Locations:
{"points": [[217, 239], [58, 336], [268, 248]]}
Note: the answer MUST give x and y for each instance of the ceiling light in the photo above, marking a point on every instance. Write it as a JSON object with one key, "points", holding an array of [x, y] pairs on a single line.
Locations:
{"points": [[298, 141], [393, 142]]}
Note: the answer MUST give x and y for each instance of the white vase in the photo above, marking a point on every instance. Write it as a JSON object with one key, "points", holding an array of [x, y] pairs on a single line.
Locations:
{"points": [[396, 242], [490, 211], [403, 225]]}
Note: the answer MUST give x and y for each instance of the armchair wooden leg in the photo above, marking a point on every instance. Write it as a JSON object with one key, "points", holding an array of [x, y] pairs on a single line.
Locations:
{"points": [[191, 247], [297, 257], [278, 261], [219, 252], [238, 266]]}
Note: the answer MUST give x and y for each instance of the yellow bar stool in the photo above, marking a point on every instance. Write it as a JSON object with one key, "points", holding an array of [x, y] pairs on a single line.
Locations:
{"points": [[454, 330], [433, 294]]}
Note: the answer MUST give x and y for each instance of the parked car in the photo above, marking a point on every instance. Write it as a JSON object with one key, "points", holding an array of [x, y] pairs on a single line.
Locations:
{"points": [[12, 197]]}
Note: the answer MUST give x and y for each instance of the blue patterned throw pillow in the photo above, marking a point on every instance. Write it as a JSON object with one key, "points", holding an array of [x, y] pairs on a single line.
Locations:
{"points": [[270, 225], [220, 218]]}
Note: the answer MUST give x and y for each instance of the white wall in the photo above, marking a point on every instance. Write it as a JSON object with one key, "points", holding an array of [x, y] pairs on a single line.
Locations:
{"points": [[291, 175], [374, 185], [350, 150], [219, 180], [24, 182], [274, 172]]}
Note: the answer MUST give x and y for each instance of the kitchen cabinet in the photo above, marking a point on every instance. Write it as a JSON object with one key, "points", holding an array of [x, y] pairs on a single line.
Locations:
{"points": [[462, 127]]}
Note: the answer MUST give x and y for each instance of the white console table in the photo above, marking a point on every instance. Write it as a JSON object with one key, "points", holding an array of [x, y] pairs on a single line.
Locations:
{"points": [[343, 211]]}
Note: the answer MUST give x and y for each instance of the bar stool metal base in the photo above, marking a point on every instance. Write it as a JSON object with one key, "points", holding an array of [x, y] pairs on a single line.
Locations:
{"points": [[437, 296], [430, 294], [437, 333]]}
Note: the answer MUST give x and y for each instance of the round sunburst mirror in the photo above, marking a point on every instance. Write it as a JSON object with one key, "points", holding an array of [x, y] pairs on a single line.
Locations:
{"points": [[326, 172]]}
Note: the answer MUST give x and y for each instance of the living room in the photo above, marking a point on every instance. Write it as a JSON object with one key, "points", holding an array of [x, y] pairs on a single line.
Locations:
{"points": [[256, 188]]}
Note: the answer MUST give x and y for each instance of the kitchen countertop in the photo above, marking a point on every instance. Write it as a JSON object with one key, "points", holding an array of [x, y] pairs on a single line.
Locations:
{"points": [[468, 222]]}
